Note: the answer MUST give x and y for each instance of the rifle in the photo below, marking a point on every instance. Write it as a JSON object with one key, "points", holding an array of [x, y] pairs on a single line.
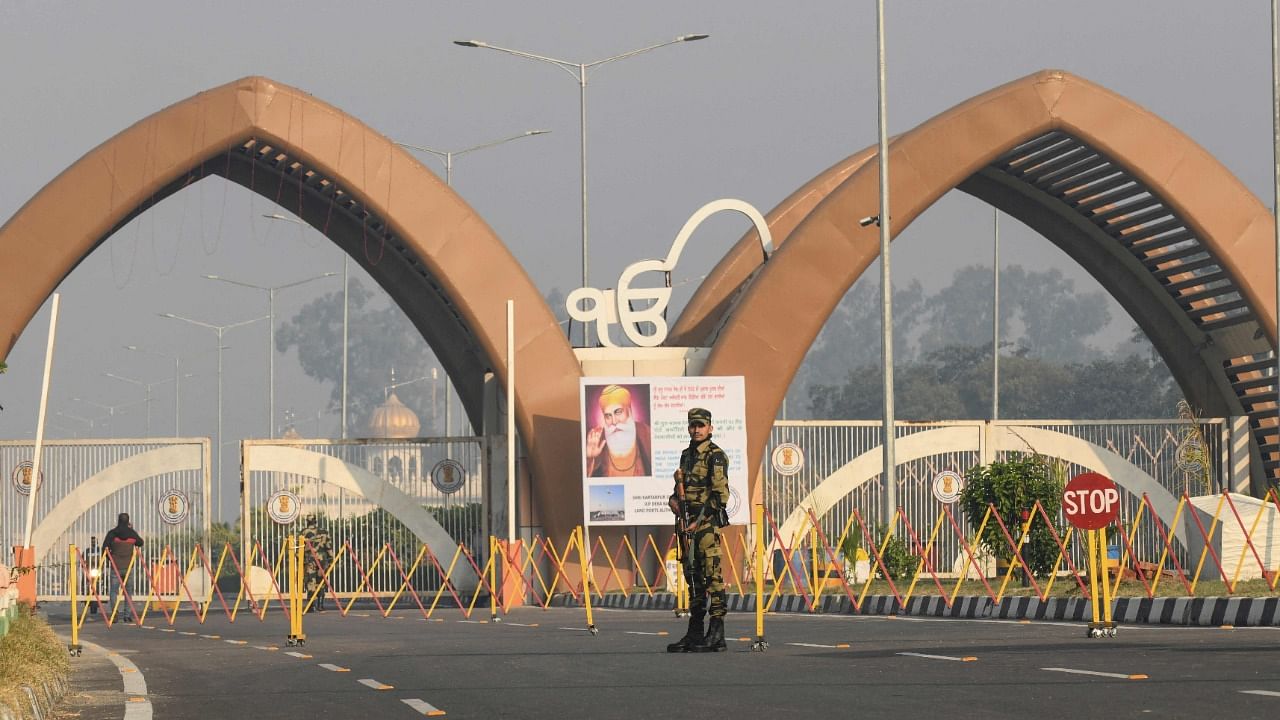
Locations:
{"points": [[685, 529]]}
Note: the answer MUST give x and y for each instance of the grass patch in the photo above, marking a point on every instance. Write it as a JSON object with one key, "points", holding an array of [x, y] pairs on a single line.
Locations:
{"points": [[29, 655]]}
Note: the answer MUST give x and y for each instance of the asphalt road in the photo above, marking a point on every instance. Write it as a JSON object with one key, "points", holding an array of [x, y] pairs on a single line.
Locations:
{"points": [[544, 664]]}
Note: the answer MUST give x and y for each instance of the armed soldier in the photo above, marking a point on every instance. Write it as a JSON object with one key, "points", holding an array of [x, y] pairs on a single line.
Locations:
{"points": [[318, 551], [700, 503]]}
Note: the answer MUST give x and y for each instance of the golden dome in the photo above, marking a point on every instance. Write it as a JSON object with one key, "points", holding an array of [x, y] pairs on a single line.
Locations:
{"points": [[392, 419]]}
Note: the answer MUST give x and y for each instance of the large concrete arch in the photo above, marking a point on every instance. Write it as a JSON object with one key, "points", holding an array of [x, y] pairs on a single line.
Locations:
{"points": [[435, 256], [1163, 226]]}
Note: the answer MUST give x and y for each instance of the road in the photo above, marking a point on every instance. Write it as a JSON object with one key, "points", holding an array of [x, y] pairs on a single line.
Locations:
{"points": [[544, 664]]}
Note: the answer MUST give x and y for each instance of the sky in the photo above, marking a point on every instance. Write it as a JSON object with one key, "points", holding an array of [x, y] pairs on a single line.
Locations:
{"points": [[778, 93]]}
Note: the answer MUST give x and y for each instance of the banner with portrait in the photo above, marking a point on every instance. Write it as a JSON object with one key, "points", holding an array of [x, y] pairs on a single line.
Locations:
{"points": [[633, 431]]}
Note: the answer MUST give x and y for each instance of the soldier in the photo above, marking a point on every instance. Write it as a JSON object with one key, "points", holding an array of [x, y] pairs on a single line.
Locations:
{"points": [[319, 553], [700, 501]]}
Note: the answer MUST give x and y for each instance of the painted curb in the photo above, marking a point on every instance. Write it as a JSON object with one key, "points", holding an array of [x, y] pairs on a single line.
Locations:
{"points": [[40, 702], [1187, 611]]}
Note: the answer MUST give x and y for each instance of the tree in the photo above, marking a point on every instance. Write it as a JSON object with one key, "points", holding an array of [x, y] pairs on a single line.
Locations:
{"points": [[1013, 486]]}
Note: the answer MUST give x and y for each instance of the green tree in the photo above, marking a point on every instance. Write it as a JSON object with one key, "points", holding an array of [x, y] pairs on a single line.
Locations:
{"points": [[1013, 486]]}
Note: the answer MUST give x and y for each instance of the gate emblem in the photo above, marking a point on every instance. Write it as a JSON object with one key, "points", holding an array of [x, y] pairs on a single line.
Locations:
{"points": [[448, 476], [788, 459], [174, 507], [282, 507], [22, 477]]}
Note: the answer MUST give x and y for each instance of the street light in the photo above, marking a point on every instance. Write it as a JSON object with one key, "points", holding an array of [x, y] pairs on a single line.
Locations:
{"points": [[345, 312], [109, 411], [448, 156], [177, 381], [579, 71], [147, 388], [448, 180], [219, 329], [271, 328]]}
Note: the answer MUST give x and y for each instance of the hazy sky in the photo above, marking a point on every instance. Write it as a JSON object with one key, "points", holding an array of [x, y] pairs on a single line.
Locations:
{"points": [[777, 94]]}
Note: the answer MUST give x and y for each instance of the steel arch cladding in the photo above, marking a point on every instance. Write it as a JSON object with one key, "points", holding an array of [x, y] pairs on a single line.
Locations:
{"points": [[358, 187], [759, 334]]}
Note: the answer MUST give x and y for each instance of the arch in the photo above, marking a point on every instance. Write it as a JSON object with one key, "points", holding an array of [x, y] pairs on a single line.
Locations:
{"points": [[1163, 226], [109, 480], [1078, 451], [435, 256], [353, 478]]}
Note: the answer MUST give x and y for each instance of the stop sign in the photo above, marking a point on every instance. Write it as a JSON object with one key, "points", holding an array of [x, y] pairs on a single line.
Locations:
{"points": [[1090, 501]]}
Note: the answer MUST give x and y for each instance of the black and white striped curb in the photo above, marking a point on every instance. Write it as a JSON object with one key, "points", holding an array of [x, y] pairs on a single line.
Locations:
{"points": [[39, 701], [1202, 612]]}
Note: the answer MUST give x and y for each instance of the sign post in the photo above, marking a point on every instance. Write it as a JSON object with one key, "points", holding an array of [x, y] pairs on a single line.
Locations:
{"points": [[1091, 502]]}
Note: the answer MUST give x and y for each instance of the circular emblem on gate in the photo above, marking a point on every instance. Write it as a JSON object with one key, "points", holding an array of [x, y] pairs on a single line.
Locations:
{"points": [[734, 500], [788, 459], [174, 507], [448, 476], [283, 507], [1190, 454], [22, 477], [947, 486]]}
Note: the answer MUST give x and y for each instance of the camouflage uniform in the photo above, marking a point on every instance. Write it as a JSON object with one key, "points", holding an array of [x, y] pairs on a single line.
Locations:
{"points": [[705, 470], [317, 552]]}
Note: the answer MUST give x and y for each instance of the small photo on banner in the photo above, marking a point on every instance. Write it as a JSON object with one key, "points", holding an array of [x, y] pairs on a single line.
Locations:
{"points": [[634, 430]]}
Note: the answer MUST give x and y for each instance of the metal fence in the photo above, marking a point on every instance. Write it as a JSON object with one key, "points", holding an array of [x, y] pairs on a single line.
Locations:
{"points": [[167, 506], [445, 476], [1157, 447]]}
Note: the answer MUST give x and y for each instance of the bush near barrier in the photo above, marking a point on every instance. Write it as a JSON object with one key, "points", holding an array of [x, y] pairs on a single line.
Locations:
{"points": [[31, 656], [1013, 486]]}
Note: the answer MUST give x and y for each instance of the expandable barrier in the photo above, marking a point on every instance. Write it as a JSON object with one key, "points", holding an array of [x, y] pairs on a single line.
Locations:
{"points": [[1208, 540]]}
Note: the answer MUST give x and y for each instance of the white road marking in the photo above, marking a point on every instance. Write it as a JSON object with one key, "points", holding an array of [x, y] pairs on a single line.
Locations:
{"points": [[423, 707], [370, 682], [334, 668], [137, 706], [966, 658], [637, 632], [1270, 693], [184, 632], [265, 647], [211, 637], [304, 656], [582, 629], [1095, 673], [504, 622], [475, 622], [237, 642], [167, 630]]}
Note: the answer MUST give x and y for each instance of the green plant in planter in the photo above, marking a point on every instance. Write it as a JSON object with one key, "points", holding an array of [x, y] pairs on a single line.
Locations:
{"points": [[1013, 486], [899, 561]]}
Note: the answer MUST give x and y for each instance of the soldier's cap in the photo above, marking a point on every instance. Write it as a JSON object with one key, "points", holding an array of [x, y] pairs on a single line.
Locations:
{"points": [[700, 416]]}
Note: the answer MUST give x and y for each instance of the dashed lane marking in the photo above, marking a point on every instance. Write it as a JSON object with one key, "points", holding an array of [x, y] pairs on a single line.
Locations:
{"points": [[1269, 693], [1095, 673], [302, 656], [475, 622], [184, 632], [334, 668], [637, 632], [817, 645], [580, 629], [966, 658], [211, 637], [504, 622], [265, 647], [167, 630], [423, 707], [236, 642], [370, 682]]}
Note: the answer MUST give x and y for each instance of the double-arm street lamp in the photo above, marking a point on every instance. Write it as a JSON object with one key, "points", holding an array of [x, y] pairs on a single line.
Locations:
{"points": [[146, 386], [271, 329], [579, 72], [346, 259], [220, 330], [449, 155], [177, 382]]}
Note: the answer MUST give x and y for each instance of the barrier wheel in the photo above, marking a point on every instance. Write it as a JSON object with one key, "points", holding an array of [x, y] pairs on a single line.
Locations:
{"points": [[593, 630], [680, 613], [1111, 632], [1094, 633], [495, 619], [291, 642], [759, 646]]}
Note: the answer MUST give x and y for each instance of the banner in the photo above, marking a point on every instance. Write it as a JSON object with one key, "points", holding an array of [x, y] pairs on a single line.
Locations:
{"points": [[633, 431]]}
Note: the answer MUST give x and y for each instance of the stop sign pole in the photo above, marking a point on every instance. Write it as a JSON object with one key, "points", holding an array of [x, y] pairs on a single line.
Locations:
{"points": [[1091, 502]]}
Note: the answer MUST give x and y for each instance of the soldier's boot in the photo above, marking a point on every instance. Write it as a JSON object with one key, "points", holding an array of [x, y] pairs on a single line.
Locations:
{"points": [[714, 640], [691, 638]]}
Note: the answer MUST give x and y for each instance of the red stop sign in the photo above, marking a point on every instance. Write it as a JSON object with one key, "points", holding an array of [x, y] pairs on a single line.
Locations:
{"points": [[1090, 501]]}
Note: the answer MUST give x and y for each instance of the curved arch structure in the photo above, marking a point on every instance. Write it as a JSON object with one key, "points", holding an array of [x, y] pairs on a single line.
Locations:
{"points": [[109, 480], [1164, 227], [435, 256]]}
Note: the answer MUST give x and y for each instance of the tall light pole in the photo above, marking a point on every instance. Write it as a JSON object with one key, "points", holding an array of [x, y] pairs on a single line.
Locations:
{"points": [[448, 157], [109, 411], [220, 330], [146, 386], [995, 315], [886, 284], [177, 382], [271, 329], [579, 72], [346, 286]]}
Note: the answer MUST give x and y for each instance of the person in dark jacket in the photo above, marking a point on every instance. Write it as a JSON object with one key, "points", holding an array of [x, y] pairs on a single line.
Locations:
{"points": [[119, 543]]}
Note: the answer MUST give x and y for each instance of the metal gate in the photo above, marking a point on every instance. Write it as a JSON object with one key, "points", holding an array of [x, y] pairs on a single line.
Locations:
{"points": [[162, 484], [372, 498], [1151, 445]]}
